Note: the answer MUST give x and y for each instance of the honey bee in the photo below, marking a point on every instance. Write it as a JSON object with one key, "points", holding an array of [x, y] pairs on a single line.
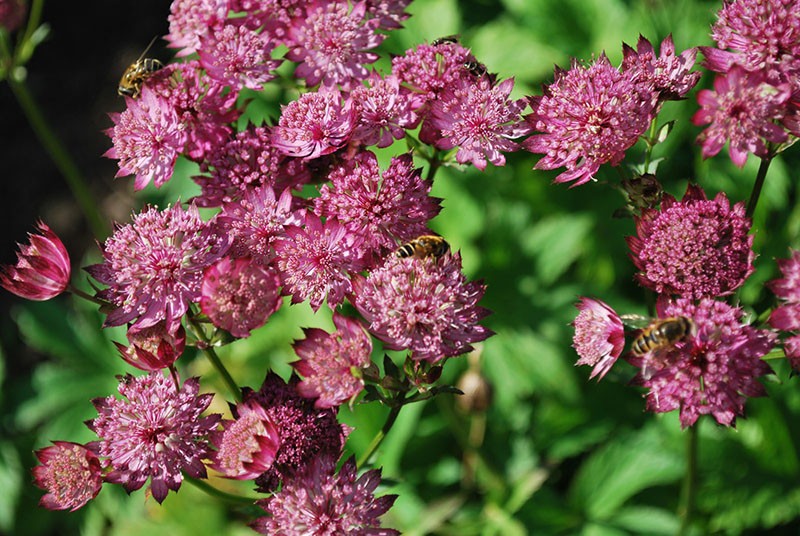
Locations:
{"points": [[445, 39], [475, 68], [130, 84], [424, 246], [662, 334]]}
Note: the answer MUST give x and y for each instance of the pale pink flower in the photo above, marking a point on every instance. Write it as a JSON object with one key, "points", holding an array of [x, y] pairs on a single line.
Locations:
{"points": [[191, 19], [316, 124], [390, 13], [786, 317], [70, 473], [428, 69], [238, 56], [384, 113], [599, 336], [666, 74], [43, 269], [247, 445]]}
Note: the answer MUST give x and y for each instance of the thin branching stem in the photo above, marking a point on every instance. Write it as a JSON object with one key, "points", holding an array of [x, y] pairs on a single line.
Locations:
{"points": [[756, 193], [379, 437], [218, 493], [689, 489], [212, 356]]}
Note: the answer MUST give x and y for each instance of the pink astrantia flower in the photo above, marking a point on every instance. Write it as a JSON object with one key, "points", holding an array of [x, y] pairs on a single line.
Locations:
{"points": [[476, 116], [599, 336], [191, 19], [424, 305], [666, 74], [321, 502], [255, 221], [148, 137], [330, 362], [316, 261], [247, 445], [390, 13], [589, 116], [709, 372], [153, 348], [764, 35], [154, 266], [742, 109], [331, 43], [70, 473], [786, 317], [316, 124], [238, 57], [381, 210], [12, 14], [383, 112], [306, 432], [43, 269], [695, 247], [428, 69], [156, 432], [240, 295]]}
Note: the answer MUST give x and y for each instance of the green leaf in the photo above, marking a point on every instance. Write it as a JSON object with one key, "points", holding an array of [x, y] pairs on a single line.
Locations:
{"points": [[10, 483], [555, 242], [647, 520]]}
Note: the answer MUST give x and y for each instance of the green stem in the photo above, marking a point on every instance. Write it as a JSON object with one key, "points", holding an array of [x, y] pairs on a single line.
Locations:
{"points": [[688, 491], [35, 15], [212, 356], [378, 439], [435, 164], [762, 174], [88, 297], [218, 493], [60, 156], [650, 145]]}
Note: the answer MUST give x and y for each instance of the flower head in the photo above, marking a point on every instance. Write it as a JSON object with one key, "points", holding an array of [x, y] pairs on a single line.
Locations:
{"points": [[238, 57], [316, 124], [742, 109], [786, 317], [425, 305], [695, 247], [667, 74], [321, 502], [381, 210], [148, 137], [429, 69], [589, 116], [247, 445], [331, 43], [240, 295], [306, 432], [710, 372], [153, 348], [191, 19], [155, 433], [42, 270], [383, 112], [599, 336], [390, 13], [154, 266], [70, 473], [475, 115], [330, 363]]}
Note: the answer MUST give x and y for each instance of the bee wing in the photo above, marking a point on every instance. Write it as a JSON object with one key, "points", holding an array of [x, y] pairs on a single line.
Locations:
{"points": [[633, 321]]}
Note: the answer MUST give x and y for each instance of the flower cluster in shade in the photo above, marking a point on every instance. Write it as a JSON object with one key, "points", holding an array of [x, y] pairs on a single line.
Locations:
{"points": [[43, 268], [786, 317], [591, 114], [709, 372], [321, 501], [155, 433], [693, 248], [757, 61], [599, 336]]}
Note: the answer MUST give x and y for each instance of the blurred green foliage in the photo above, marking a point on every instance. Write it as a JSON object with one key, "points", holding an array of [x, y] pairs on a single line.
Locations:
{"points": [[558, 454]]}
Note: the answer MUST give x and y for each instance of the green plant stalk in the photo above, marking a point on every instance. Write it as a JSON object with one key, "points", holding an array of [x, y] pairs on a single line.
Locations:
{"points": [[756, 193], [648, 154], [379, 437], [689, 488], [216, 362], [218, 493], [60, 157], [34, 16]]}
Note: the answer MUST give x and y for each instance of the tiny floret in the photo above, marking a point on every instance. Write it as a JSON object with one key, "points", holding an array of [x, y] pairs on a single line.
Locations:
{"points": [[599, 336]]}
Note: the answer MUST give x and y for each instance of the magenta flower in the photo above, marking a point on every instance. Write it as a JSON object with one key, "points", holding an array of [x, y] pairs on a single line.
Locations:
{"points": [[316, 124], [247, 445], [70, 473], [711, 372], [742, 109], [786, 317], [476, 116], [191, 19], [306, 432], [238, 57], [764, 36], [12, 14], [43, 269], [331, 43], [599, 336], [240, 295], [153, 348], [316, 261], [383, 112], [330, 363], [695, 247], [148, 137], [155, 433], [429, 69], [320, 502], [154, 266], [255, 221], [381, 210], [589, 116], [668, 75], [390, 13], [424, 305]]}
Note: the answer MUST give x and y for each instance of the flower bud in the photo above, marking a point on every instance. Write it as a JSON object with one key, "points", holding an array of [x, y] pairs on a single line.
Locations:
{"points": [[43, 269]]}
